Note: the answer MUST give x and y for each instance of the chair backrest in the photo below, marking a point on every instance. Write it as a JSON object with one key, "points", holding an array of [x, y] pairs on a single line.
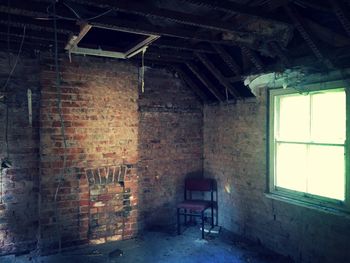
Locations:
{"points": [[201, 184]]}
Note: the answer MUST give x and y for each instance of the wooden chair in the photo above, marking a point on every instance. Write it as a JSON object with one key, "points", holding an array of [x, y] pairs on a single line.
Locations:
{"points": [[194, 207]]}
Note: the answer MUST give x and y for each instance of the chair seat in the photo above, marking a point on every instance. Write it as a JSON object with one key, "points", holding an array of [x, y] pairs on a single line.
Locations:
{"points": [[196, 205]]}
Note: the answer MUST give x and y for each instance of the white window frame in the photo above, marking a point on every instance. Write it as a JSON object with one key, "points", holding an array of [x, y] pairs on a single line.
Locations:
{"points": [[296, 197]]}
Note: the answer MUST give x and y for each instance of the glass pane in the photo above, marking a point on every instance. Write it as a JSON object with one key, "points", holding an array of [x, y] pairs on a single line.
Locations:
{"points": [[291, 166], [294, 120], [327, 171], [328, 117]]}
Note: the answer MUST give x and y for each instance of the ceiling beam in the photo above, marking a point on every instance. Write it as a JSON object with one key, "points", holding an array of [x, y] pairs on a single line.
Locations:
{"points": [[327, 35], [279, 52], [21, 18], [230, 62], [187, 79], [181, 45], [342, 17], [217, 74], [26, 16], [299, 24], [206, 82], [253, 58], [235, 8], [247, 37]]}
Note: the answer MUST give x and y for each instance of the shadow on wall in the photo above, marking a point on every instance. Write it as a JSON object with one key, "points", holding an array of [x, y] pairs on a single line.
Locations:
{"points": [[170, 145], [19, 195]]}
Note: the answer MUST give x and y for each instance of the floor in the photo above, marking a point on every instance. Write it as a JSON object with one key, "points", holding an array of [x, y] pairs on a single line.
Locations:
{"points": [[160, 245]]}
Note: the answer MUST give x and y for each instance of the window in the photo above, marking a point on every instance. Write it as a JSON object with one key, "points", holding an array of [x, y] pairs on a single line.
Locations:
{"points": [[307, 146]]}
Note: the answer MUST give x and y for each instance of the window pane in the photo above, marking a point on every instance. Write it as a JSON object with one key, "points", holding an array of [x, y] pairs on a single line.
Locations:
{"points": [[328, 117], [291, 166], [294, 118], [327, 171]]}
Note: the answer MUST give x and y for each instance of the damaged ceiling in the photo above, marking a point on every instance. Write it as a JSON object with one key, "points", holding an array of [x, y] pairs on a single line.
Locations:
{"points": [[212, 45]]}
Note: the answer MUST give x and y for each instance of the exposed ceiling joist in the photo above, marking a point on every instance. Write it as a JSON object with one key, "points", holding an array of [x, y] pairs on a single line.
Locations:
{"points": [[27, 17], [183, 45], [253, 58], [218, 75], [206, 82], [299, 24], [235, 8], [187, 79], [342, 17], [327, 35], [230, 62], [242, 37], [278, 51]]}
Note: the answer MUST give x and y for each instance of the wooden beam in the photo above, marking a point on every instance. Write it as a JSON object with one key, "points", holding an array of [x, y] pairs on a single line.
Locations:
{"points": [[278, 51], [253, 58], [243, 37], [230, 62], [236, 8], [342, 17], [206, 82], [223, 81], [327, 35], [26, 16], [182, 45], [187, 79], [298, 22]]}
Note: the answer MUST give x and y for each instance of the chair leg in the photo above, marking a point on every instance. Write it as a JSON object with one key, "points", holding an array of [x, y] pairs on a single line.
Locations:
{"points": [[178, 221], [185, 217], [212, 216], [202, 215]]}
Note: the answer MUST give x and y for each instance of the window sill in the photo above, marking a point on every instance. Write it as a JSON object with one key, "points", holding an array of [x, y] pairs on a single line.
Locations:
{"points": [[301, 203]]}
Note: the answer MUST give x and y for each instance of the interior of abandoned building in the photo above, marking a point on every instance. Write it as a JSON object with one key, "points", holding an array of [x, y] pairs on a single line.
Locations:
{"points": [[108, 107]]}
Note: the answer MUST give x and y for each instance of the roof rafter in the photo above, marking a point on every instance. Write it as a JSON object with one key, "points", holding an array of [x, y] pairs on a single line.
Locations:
{"points": [[130, 7], [218, 75], [342, 17], [253, 58], [187, 79], [206, 82], [298, 22], [230, 62]]}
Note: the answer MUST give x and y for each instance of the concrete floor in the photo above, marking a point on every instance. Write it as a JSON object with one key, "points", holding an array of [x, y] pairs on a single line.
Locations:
{"points": [[159, 245]]}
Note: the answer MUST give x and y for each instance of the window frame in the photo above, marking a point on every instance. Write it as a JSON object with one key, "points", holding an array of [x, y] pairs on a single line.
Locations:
{"points": [[297, 197]]}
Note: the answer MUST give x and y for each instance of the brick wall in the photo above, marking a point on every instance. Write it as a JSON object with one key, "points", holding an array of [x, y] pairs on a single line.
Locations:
{"points": [[126, 156], [99, 106], [235, 154], [170, 136], [18, 211]]}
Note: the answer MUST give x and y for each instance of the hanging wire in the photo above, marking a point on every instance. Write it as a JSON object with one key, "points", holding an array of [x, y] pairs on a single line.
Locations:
{"points": [[59, 106], [54, 15], [73, 11], [16, 61]]}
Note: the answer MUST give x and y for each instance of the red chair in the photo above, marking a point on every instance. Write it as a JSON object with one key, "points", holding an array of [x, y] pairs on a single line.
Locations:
{"points": [[194, 207]]}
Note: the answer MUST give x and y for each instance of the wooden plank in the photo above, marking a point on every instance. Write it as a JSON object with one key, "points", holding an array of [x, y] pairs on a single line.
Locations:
{"points": [[230, 62], [206, 82], [298, 22], [223, 81], [253, 58], [187, 79], [342, 17], [243, 37]]}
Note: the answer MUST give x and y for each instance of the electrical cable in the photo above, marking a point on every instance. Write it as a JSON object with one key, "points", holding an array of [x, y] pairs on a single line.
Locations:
{"points": [[53, 16], [16, 61], [73, 11], [59, 106]]}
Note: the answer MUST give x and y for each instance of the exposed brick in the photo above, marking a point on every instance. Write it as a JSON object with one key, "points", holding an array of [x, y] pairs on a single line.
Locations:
{"points": [[235, 155]]}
